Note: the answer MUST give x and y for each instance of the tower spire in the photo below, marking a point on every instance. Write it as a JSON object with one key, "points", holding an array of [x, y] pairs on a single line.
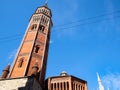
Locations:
{"points": [[100, 82]]}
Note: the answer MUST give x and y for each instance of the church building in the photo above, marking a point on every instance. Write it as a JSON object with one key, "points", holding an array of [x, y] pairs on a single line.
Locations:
{"points": [[65, 82], [29, 66]]}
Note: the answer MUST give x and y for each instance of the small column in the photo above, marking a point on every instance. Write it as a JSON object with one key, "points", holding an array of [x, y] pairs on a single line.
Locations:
{"points": [[63, 86], [59, 86], [56, 86], [75, 86], [81, 87], [86, 87], [66, 86], [53, 86], [70, 85]]}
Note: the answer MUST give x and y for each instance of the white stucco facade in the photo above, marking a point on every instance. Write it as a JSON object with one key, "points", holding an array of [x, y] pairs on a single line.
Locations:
{"points": [[26, 83]]}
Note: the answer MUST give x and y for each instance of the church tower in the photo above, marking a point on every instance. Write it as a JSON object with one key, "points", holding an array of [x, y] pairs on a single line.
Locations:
{"points": [[31, 58], [29, 66]]}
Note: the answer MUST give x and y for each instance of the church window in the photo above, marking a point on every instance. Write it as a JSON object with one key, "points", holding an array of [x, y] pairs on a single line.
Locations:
{"points": [[40, 10], [47, 22], [51, 86], [55, 86], [61, 85], [38, 18], [21, 62], [73, 86], [68, 85], [83, 88], [34, 26], [64, 86], [37, 49], [41, 28], [76, 86], [79, 87], [43, 19], [43, 10]]}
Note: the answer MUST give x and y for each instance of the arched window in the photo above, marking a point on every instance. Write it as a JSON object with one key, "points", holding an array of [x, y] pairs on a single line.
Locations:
{"points": [[58, 86], [21, 62], [64, 86], [61, 85], [73, 86], [52, 86], [34, 26], [41, 28], [37, 47], [81, 88], [43, 20], [67, 85], [40, 10], [43, 10]]}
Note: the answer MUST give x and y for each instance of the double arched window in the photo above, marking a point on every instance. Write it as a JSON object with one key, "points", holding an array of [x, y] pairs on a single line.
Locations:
{"points": [[37, 48], [41, 28], [34, 26]]}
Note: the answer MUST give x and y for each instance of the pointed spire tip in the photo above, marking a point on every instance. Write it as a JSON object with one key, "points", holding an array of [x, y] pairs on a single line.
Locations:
{"points": [[46, 2]]}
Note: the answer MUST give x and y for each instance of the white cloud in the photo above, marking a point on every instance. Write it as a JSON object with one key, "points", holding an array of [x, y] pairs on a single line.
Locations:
{"points": [[11, 56], [109, 20], [51, 41], [63, 16], [112, 81], [110, 8]]}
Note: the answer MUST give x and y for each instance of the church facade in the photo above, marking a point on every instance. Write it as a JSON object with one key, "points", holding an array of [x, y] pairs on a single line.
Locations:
{"points": [[29, 66]]}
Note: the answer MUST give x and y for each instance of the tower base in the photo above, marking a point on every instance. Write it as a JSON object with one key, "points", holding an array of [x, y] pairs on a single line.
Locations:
{"points": [[21, 83]]}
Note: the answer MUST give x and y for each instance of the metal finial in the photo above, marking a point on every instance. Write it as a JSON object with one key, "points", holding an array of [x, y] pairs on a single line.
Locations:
{"points": [[46, 2]]}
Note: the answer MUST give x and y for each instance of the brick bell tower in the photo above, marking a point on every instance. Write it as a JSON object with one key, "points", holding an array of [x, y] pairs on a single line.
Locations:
{"points": [[31, 58]]}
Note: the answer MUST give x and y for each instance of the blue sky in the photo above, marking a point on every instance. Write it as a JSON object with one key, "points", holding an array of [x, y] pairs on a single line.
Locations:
{"points": [[85, 38]]}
